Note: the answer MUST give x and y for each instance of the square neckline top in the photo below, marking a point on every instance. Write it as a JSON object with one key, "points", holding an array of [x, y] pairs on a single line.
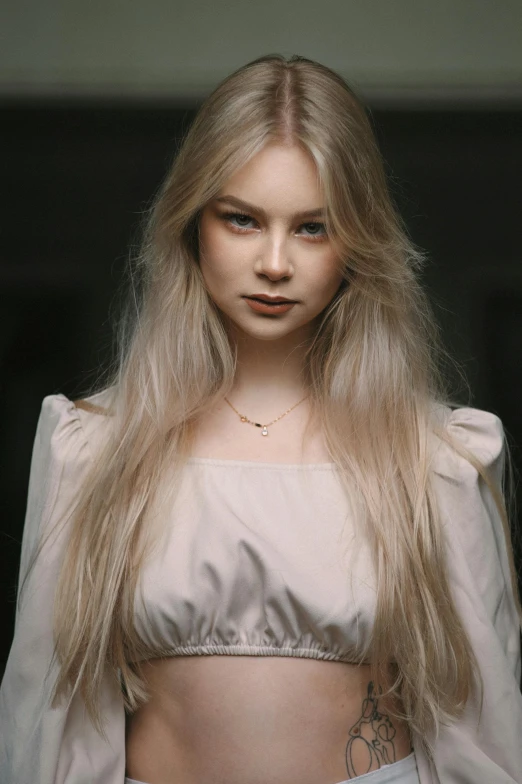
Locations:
{"points": [[230, 462], [259, 564]]}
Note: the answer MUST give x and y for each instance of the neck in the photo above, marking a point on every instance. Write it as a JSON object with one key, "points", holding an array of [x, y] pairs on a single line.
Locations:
{"points": [[269, 373]]}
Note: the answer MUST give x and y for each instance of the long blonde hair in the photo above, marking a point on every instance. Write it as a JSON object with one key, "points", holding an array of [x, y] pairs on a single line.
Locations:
{"points": [[373, 370]]}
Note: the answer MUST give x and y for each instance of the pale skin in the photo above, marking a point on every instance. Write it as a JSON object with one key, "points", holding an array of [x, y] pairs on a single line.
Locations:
{"points": [[279, 247], [255, 719], [279, 253]]}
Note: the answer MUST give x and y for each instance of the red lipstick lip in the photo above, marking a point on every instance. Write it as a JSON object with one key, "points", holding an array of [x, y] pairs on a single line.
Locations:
{"points": [[267, 298]]}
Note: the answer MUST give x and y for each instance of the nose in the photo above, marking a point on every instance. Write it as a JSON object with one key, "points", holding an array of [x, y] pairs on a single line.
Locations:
{"points": [[274, 259]]}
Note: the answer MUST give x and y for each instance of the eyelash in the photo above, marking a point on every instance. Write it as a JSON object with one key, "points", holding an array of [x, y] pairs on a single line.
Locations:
{"points": [[227, 216]]}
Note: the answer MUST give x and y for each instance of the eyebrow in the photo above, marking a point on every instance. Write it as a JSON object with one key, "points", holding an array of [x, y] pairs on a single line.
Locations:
{"points": [[318, 211]]}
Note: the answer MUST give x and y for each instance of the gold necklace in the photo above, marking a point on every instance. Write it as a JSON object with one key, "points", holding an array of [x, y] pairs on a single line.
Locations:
{"points": [[264, 431]]}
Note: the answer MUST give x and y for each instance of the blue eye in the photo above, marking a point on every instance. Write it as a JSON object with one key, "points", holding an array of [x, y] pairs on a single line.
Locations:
{"points": [[317, 226], [230, 216], [239, 220]]}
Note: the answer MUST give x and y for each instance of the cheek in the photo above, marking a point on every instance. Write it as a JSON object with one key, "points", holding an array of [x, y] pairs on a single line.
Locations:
{"points": [[216, 252], [326, 277], [206, 241]]}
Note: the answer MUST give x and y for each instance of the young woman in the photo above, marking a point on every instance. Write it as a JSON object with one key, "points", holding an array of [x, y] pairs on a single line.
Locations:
{"points": [[269, 547]]}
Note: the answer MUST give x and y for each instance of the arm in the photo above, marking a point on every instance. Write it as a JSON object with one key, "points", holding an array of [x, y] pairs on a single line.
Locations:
{"points": [[40, 744], [470, 751]]}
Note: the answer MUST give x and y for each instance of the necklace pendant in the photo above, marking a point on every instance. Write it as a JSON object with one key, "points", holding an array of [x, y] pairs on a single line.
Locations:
{"points": [[264, 431]]}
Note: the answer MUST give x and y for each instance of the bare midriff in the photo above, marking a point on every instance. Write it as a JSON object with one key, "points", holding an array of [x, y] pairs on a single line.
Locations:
{"points": [[260, 720]]}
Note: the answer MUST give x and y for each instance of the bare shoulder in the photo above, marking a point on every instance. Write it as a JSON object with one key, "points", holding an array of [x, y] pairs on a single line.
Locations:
{"points": [[92, 408], [96, 416], [99, 403]]}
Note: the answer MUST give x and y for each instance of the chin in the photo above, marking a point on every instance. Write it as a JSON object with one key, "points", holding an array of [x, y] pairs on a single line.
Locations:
{"points": [[272, 331], [264, 333]]}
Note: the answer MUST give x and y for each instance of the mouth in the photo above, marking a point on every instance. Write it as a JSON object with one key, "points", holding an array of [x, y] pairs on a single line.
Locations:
{"points": [[272, 300], [269, 307]]}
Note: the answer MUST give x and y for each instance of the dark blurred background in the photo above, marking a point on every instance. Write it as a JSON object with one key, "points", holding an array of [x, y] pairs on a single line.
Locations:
{"points": [[93, 104]]}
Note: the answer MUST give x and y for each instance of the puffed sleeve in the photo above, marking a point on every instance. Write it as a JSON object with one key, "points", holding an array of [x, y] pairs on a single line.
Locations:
{"points": [[40, 744], [477, 553]]}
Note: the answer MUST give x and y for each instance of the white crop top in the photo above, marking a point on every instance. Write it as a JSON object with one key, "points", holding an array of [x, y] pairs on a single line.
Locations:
{"points": [[253, 566], [260, 559]]}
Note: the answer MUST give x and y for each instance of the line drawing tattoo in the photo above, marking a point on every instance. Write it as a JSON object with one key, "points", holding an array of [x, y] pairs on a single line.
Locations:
{"points": [[371, 737]]}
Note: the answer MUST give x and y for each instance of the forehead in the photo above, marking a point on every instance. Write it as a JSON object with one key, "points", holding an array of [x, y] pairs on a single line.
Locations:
{"points": [[278, 177]]}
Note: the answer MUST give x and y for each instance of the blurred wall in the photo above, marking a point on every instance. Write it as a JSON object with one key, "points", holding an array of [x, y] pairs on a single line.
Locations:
{"points": [[390, 49]]}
